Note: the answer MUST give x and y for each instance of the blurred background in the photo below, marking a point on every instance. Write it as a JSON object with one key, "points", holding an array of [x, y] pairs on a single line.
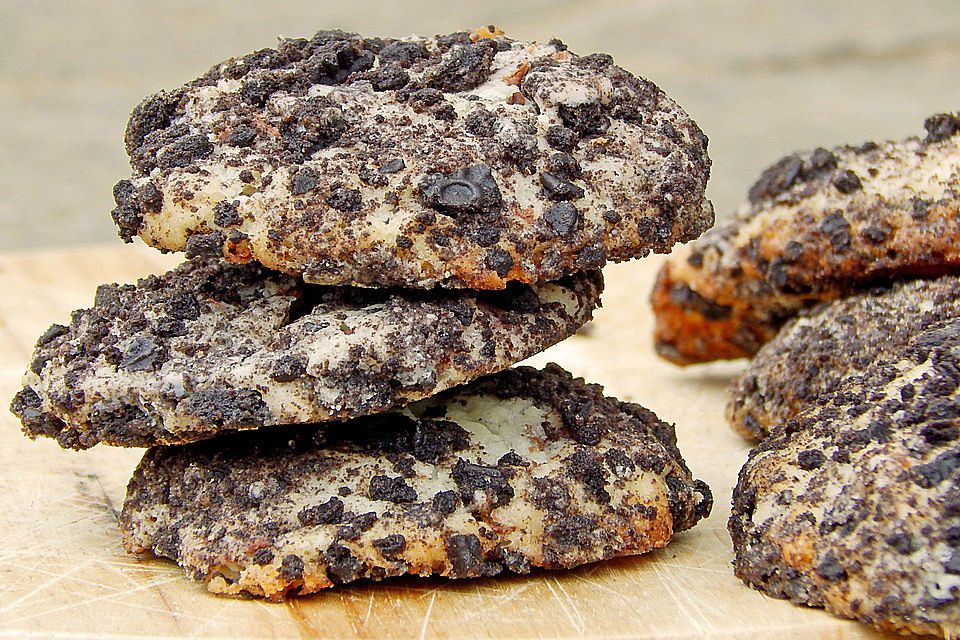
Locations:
{"points": [[761, 78]]}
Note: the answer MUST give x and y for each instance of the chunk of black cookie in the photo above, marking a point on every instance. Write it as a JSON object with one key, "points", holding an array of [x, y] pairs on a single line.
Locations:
{"points": [[415, 162], [518, 470], [212, 346], [813, 354], [854, 504], [817, 226]]}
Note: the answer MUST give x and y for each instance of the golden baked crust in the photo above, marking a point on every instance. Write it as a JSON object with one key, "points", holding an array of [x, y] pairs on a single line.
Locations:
{"points": [[521, 469], [817, 226], [450, 161]]}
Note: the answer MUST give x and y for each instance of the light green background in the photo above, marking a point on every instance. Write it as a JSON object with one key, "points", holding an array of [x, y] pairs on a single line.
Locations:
{"points": [[761, 77]]}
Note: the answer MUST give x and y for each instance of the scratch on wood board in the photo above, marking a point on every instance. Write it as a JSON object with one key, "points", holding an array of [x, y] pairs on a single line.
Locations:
{"points": [[426, 617]]}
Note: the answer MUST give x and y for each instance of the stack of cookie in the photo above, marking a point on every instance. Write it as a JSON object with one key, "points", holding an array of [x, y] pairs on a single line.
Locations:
{"points": [[852, 499], [375, 231]]}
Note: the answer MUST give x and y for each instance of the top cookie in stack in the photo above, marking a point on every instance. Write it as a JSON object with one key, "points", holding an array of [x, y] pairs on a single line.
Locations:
{"points": [[369, 223], [454, 161]]}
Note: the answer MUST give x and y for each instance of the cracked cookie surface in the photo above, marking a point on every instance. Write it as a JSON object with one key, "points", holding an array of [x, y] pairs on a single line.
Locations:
{"points": [[818, 226], [212, 346], [813, 354], [455, 161], [854, 504], [525, 468]]}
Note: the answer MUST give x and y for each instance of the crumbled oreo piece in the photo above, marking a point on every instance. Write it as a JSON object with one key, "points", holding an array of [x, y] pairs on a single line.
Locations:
{"points": [[558, 188], [563, 218], [468, 190]]}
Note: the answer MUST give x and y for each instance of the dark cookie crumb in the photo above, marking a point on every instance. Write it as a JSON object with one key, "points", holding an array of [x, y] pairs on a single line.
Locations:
{"points": [[847, 182], [303, 181], [468, 190], [467, 67], [563, 218], [391, 489], [557, 188], [500, 262], [465, 554], [225, 214], [205, 245], [329, 512], [345, 200], [941, 126], [585, 119], [391, 545], [562, 138]]}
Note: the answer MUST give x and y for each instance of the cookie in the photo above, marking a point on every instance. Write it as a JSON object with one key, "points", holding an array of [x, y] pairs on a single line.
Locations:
{"points": [[459, 161], [813, 354], [211, 346], [817, 226], [522, 469], [854, 505]]}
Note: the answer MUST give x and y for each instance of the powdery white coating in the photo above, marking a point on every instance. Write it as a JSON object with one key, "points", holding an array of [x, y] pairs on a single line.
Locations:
{"points": [[350, 208], [211, 346], [854, 504], [521, 469], [817, 226], [813, 354]]}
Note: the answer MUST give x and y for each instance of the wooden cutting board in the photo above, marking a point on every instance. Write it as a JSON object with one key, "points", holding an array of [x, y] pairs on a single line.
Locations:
{"points": [[63, 572]]}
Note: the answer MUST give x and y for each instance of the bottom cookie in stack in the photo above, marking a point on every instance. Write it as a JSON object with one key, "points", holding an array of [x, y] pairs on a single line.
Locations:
{"points": [[521, 469]]}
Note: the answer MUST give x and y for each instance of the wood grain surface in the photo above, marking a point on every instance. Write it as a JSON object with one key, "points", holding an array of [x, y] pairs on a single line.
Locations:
{"points": [[64, 573]]}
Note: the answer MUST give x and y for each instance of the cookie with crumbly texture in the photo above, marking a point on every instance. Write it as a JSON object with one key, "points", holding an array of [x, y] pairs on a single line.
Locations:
{"points": [[211, 346], [526, 468], [817, 226], [854, 505], [458, 161], [813, 354]]}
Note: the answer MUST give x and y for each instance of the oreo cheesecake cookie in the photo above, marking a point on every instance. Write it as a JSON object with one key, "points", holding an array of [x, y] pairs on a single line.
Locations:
{"points": [[817, 226], [212, 346], [456, 161], [522, 469], [812, 356], [854, 504]]}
